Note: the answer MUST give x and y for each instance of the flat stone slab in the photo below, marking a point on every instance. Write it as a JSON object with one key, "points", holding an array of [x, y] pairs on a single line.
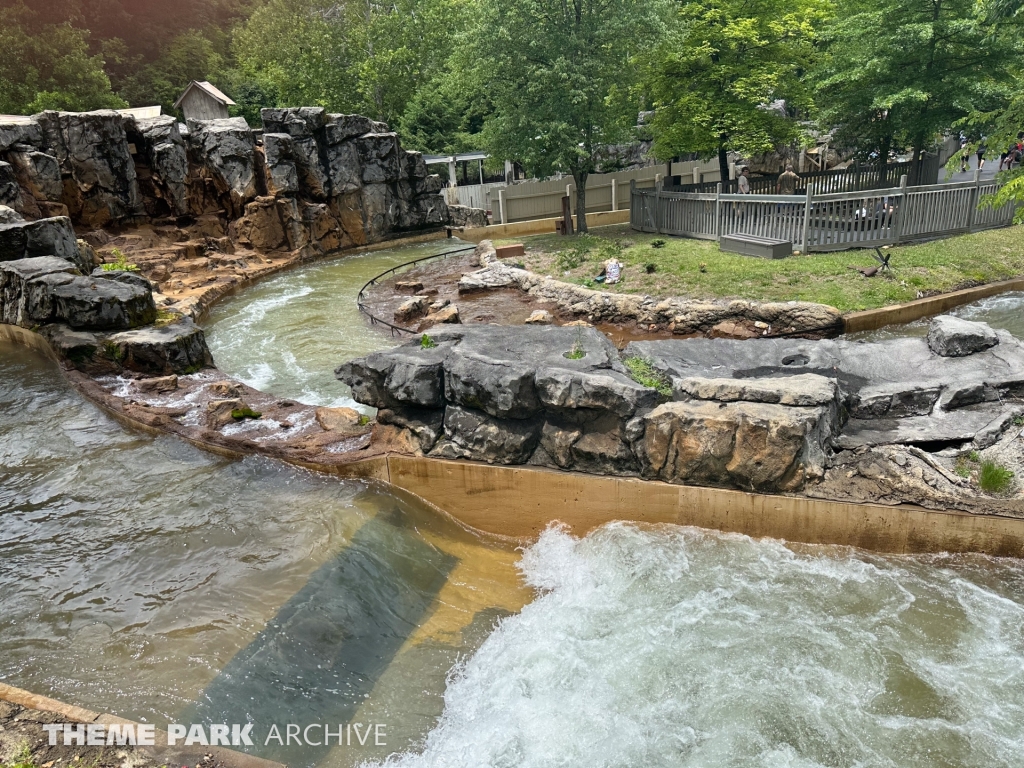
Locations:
{"points": [[805, 389], [953, 337], [960, 426]]}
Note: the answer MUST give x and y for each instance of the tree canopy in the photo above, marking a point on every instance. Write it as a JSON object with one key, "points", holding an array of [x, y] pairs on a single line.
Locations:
{"points": [[902, 72], [559, 75], [547, 83], [728, 76]]}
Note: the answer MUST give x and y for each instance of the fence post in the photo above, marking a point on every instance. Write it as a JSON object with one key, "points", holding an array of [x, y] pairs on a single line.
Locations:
{"points": [[501, 204], [975, 200], [718, 212], [615, 186], [900, 210], [804, 246], [632, 190], [657, 204]]}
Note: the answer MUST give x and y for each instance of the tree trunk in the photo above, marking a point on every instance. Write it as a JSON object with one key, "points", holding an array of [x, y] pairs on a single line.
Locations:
{"points": [[723, 166], [883, 158], [915, 169], [580, 177]]}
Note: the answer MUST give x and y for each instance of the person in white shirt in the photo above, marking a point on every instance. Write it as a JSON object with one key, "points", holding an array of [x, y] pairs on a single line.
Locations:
{"points": [[743, 182]]}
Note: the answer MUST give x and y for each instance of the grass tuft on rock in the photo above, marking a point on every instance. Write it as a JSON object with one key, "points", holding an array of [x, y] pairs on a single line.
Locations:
{"points": [[645, 374], [426, 342], [245, 413], [994, 478]]}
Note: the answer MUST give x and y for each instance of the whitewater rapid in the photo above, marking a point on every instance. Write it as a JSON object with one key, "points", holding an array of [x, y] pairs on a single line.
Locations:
{"points": [[674, 646]]}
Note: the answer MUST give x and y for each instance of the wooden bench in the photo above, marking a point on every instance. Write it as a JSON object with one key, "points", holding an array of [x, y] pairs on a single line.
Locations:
{"points": [[749, 245]]}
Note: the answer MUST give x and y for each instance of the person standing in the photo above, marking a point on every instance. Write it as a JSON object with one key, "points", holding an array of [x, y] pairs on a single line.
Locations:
{"points": [[964, 154], [982, 149], [787, 181], [743, 182]]}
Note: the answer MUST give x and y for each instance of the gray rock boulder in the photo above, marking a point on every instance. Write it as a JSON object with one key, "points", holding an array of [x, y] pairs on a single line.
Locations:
{"points": [[224, 153], [379, 157], [178, 347], [341, 128], [499, 387], [95, 160], [9, 215], [20, 131], [752, 446], [603, 390], [424, 425], [39, 174], [295, 165], [474, 435], [43, 237], [952, 337], [21, 305], [10, 192], [464, 216], [164, 152], [98, 304]]}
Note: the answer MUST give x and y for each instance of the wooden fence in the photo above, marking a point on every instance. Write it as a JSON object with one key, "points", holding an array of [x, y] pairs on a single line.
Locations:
{"points": [[853, 178], [827, 222]]}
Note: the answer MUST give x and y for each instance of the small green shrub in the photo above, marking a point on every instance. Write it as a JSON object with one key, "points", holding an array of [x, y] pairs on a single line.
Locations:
{"points": [[1018, 421], [963, 467], [245, 413], [644, 373], [650, 268], [21, 759], [994, 478], [577, 352], [426, 342], [113, 351], [120, 263], [659, 243], [364, 420]]}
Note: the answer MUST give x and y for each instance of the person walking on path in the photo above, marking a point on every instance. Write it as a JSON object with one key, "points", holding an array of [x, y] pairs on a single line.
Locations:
{"points": [[982, 149], [965, 164], [787, 181]]}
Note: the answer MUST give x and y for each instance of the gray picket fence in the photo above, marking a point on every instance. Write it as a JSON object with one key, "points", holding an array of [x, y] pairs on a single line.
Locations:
{"points": [[823, 222]]}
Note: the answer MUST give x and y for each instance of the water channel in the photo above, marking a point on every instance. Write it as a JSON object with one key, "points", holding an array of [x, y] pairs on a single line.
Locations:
{"points": [[143, 577]]}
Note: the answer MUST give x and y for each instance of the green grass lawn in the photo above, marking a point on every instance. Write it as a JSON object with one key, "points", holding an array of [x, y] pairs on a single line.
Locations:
{"points": [[697, 269]]}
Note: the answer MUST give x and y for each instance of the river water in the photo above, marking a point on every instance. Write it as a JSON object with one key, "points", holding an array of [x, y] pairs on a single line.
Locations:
{"points": [[287, 334], [1004, 312], [143, 577]]}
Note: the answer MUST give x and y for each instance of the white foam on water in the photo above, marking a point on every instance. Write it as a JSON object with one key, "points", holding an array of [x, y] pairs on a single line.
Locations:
{"points": [[668, 646]]}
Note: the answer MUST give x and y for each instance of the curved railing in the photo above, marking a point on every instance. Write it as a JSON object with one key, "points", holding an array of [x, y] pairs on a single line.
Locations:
{"points": [[374, 320]]}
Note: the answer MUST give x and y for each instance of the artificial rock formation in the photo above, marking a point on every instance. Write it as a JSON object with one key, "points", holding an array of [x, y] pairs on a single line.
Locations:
{"points": [[313, 183], [764, 415]]}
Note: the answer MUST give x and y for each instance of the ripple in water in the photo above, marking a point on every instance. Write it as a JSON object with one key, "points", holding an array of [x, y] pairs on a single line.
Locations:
{"points": [[679, 647], [1003, 312], [287, 334]]}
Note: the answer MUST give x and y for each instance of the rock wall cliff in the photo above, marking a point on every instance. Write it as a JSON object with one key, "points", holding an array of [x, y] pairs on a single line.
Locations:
{"points": [[311, 181]]}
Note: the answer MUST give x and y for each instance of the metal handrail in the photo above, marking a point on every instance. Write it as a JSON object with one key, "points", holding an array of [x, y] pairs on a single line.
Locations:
{"points": [[374, 320]]}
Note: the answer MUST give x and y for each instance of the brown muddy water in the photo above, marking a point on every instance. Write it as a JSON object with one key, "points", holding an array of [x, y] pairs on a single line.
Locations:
{"points": [[143, 577]]}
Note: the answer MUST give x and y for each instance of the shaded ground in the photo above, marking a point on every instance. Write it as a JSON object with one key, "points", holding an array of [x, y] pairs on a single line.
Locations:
{"points": [[698, 269]]}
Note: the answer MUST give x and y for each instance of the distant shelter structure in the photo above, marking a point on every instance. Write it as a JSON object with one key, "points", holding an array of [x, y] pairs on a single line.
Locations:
{"points": [[203, 101]]}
